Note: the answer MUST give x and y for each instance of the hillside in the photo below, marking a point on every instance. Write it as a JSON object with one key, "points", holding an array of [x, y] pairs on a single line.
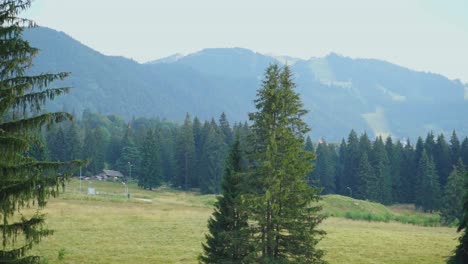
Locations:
{"points": [[168, 226], [341, 93]]}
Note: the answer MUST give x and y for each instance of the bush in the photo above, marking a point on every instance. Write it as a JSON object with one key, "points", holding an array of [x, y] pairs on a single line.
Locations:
{"points": [[61, 254]]}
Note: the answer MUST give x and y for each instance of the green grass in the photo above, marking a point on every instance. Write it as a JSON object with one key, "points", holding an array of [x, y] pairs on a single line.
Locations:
{"points": [[346, 207], [170, 227]]}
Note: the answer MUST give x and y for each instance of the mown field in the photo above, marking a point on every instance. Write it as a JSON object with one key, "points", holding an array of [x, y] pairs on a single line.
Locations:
{"points": [[168, 226]]}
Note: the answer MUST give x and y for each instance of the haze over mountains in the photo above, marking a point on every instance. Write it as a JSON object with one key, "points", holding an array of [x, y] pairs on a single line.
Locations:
{"points": [[341, 93]]}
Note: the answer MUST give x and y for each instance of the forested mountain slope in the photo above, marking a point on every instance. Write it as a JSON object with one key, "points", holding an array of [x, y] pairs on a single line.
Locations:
{"points": [[341, 93]]}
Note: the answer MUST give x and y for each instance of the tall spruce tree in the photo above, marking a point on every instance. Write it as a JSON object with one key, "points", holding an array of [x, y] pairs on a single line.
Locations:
{"points": [[452, 201], [212, 160], [151, 167], [351, 162], [130, 157], [185, 154], [340, 173], [168, 152], [380, 164], [443, 159], [24, 181], [365, 145], [228, 238], [464, 151], [408, 173], [419, 150], [430, 145], [330, 181], [281, 205], [198, 138], [455, 148], [362, 178], [396, 172], [367, 187], [461, 252], [225, 129], [428, 189], [324, 171]]}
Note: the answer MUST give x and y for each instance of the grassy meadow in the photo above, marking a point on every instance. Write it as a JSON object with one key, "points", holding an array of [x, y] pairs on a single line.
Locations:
{"points": [[168, 226]]}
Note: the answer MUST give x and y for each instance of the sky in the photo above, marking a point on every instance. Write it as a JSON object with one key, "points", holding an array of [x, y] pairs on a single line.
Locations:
{"points": [[425, 35]]}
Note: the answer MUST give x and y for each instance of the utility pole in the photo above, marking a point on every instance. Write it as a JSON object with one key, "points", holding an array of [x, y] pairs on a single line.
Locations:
{"points": [[130, 169], [130, 176]]}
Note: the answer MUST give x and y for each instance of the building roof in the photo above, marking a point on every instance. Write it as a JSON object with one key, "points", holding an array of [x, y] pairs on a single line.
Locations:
{"points": [[112, 173]]}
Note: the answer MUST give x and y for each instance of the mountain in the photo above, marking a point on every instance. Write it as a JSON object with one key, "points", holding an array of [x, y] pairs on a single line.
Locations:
{"points": [[341, 93], [168, 59]]}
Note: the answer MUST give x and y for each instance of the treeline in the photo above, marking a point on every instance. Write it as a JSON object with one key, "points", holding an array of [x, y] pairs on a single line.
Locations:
{"points": [[189, 155], [429, 174]]}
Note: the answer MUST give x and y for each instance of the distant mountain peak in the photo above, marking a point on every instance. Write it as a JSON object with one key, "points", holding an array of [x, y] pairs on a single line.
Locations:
{"points": [[234, 51], [169, 59]]}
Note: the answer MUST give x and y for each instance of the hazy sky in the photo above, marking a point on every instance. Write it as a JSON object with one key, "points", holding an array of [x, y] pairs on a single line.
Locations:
{"points": [[429, 35]]}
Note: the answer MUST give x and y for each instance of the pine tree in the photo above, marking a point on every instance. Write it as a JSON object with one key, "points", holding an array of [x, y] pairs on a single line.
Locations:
{"points": [[418, 150], [24, 181], [309, 146], [452, 201], [228, 238], [212, 160], [430, 145], [368, 184], [168, 152], [225, 129], [339, 178], [461, 252], [380, 165], [72, 142], [198, 139], [351, 163], [151, 167], [362, 178], [185, 154], [442, 159], [455, 148], [428, 189], [408, 173], [330, 181], [365, 145], [324, 172], [396, 172], [244, 133], [464, 151], [281, 205], [95, 148]]}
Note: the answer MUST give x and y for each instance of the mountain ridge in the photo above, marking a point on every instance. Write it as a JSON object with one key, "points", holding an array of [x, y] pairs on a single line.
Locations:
{"points": [[342, 93]]}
